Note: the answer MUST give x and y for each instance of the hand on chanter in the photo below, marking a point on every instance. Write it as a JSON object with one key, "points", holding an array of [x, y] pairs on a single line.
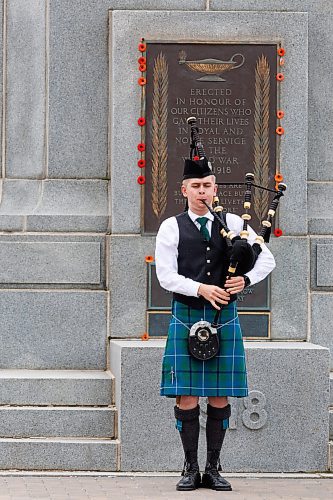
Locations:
{"points": [[235, 284], [214, 294]]}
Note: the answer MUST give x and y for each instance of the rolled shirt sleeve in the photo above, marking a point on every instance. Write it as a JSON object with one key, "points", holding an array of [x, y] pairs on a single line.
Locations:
{"points": [[166, 255]]}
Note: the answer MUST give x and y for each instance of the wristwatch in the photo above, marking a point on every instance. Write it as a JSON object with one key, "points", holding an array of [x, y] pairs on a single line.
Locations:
{"points": [[247, 280]]}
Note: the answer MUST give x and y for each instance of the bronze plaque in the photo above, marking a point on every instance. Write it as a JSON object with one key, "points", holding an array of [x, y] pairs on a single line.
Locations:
{"points": [[232, 91], [253, 325]]}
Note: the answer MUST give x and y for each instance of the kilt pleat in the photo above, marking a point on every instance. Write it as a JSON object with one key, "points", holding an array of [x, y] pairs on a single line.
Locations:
{"points": [[223, 375]]}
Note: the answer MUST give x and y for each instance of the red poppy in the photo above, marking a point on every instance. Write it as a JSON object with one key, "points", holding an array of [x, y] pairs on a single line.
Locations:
{"points": [[280, 77], [280, 130], [141, 163], [142, 60], [149, 258], [142, 47], [278, 232], [280, 114], [142, 81], [278, 177], [141, 179], [196, 158], [141, 146], [145, 336], [142, 67], [281, 51], [141, 121]]}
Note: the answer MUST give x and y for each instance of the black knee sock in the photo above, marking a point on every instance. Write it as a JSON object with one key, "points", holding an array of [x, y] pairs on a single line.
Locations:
{"points": [[216, 426], [187, 422]]}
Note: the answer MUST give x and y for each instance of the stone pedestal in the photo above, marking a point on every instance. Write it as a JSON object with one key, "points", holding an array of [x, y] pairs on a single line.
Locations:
{"points": [[281, 427]]}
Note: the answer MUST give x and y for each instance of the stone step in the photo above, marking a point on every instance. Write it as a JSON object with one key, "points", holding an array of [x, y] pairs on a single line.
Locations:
{"points": [[56, 387], [59, 454], [34, 421]]}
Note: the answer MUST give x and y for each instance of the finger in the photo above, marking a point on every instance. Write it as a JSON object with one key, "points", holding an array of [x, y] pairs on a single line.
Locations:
{"points": [[224, 296], [223, 301], [215, 305], [234, 282]]}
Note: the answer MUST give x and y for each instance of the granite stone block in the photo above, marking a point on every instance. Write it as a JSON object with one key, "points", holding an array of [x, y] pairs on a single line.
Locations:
{"points": [[321, 321], [19, 196], [79, 82], [59, 454], [78, 91], [321, 226], [60, 241], [320, 195], [11, 223], [324, 271], [268, 5], [56, 205], [320, 92], [128, 279], [331, 424], [53, 330], [25, 421], [157, 4], [56, 387], [73, 197], [126, 27], [65, 223], [26, 88], [50, 262], [320, 250], [290, 282], [331, 388], [281, 427]]}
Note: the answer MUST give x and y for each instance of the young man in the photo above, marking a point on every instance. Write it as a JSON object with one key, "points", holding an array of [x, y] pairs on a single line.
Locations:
{"points": [[191, 262]]}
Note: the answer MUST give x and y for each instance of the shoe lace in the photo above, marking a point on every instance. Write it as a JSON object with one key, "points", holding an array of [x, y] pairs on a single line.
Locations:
{"points": [[189, 468], [214, 472]]}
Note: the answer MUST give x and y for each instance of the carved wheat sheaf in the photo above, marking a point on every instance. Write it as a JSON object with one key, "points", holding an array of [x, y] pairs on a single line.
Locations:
{"points": [[261, 135], [159, 136]]}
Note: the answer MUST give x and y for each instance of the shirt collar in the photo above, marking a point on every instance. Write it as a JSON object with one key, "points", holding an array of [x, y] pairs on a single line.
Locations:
{"points": [[194, 216]]}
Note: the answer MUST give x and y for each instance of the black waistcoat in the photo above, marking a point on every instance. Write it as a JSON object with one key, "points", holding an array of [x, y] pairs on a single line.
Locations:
{"points": [[202, 261]]}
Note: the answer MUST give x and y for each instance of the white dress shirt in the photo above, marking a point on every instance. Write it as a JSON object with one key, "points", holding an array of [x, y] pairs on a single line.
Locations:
{"points": [[166, 254]]}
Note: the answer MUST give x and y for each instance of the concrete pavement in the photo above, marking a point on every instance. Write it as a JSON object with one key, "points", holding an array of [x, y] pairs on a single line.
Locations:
{"points": [[22, 486]]}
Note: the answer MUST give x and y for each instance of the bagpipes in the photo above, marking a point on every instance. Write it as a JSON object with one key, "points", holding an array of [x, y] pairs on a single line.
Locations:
{"points": [[243, 256], [203, 338]]}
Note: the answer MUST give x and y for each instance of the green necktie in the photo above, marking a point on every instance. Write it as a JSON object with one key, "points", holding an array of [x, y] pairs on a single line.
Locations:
{"points": [[203, 229]]}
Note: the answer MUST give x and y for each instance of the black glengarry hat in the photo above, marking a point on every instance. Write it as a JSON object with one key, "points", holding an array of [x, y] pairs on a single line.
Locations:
{"points": [[196, 169]]}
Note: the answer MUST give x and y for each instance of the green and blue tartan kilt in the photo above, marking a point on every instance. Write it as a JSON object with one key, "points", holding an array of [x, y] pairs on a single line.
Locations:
{"points": [[223, 375]]}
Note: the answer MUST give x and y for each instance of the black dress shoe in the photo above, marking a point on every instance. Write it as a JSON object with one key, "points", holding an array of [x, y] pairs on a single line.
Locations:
{"points": [[213, 480], [191, 478], [211, 477]]}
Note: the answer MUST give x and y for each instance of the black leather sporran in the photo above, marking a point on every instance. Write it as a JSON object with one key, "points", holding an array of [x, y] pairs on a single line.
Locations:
{"points": [[203, 341]]}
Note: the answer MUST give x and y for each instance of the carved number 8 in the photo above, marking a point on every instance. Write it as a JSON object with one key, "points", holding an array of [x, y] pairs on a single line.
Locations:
{"points": [[254, 416]]}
